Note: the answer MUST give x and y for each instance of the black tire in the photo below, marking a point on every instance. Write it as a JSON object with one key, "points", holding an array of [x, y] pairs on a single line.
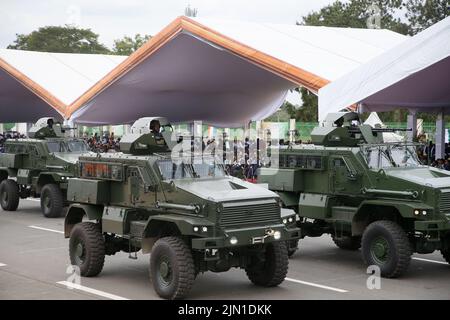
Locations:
{"points": [[446, 255], [385, 244], [9, 195], [87, 248], [347, 242], [172, 269], [52, 201], [292, 247], [273, 270]]}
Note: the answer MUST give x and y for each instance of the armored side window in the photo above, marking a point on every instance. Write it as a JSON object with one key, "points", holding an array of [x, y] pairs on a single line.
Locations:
{"points": [[292, 161], [21, 148], [33, 151], [301, 162], [338, 162], [314, 162]]}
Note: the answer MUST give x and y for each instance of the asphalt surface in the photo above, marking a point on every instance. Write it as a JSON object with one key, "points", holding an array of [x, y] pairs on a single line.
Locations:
{"points": [[34, 264]]}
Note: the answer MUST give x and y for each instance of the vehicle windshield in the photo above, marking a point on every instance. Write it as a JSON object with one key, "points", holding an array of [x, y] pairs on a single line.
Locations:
{"points": [[388, 156], [67, 146], [171, 170], [77, 146]]}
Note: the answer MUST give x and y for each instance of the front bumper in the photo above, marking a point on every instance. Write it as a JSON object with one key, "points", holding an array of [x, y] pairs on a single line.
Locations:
{"points": [[246, 237], [432, 225]]}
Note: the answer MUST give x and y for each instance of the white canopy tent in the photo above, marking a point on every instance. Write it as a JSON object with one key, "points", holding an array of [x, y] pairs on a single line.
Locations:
{"points": [[225, 73], [414, 75], [37, 84]]}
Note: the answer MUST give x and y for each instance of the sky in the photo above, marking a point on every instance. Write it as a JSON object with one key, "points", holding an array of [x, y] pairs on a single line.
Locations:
{"points": [[113, 19]]}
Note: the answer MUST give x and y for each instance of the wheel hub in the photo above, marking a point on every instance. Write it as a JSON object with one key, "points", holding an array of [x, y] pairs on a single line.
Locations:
{"points": [[164, 269], [47, 202], [380, 250], [79, 250]]}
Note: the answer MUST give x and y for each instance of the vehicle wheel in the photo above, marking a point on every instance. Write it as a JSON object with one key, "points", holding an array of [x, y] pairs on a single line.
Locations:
{"points": [[292, 247], [52, 201], [172, 269], [270, 271], [87, 248], [385, 244], [446, 252], [446, 255], [347, 242], [9, 195]]}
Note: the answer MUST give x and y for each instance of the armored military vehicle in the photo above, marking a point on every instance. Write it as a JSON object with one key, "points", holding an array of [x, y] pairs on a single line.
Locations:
{"points": [[39, 166], [365, 192], [191, 216]]}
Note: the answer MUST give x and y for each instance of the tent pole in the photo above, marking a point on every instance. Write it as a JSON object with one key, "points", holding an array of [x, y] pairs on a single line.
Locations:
{"points": [[440, 136], [412, 124]]}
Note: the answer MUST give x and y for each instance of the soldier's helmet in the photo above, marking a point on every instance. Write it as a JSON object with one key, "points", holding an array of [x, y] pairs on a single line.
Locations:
{"points": [[155, 126], [50, 123]]}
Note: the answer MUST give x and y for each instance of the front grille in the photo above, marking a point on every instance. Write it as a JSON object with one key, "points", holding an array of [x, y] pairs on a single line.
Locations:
{"points": [[444, 201], [238, 214]]}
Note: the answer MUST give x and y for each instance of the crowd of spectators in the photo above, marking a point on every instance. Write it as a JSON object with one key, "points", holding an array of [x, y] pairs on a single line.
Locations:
{"points": [[427, 152], [8, 135], [105, 143]]}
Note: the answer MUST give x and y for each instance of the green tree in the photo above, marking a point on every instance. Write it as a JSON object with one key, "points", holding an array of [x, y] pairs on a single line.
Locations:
{"points": [[190, 12], [128, 45], [310, 109], [286, 112], [356, 13], [422, 14], [353, 14], [66, 39], [306, 113]]}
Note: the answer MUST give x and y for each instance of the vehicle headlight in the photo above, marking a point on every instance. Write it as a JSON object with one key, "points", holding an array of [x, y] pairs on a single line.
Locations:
{"points": [[200, 228], [416, 212], [424, 212], [233, 241], [290, 219], [285, 221], [277, 235]]}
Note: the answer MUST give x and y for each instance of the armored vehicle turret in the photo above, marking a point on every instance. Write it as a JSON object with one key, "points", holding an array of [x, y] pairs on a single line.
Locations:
{"points": [[190, 215], [365, 193], [39, 166]]}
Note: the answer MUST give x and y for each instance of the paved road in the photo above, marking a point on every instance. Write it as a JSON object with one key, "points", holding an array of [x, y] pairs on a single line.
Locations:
{"points": [[34, 261]]}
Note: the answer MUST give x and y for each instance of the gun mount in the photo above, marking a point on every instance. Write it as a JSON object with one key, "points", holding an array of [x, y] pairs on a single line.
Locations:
{"points": [[343, 129], [47, 127]]}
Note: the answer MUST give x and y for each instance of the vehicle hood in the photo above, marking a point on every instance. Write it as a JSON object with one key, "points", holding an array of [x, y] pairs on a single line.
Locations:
{"points": [[423, 175], [224, 189], [72, 157]]}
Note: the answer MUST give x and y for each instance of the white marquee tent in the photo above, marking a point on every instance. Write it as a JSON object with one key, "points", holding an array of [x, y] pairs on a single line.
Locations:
{"points": [[414, 74], [226, 73], [221, 72], [36, 84]]}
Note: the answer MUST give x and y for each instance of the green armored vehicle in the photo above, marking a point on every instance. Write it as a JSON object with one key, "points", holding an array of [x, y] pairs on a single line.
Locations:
{"points": [[191, 216], [365, 193], [39, 166]]}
